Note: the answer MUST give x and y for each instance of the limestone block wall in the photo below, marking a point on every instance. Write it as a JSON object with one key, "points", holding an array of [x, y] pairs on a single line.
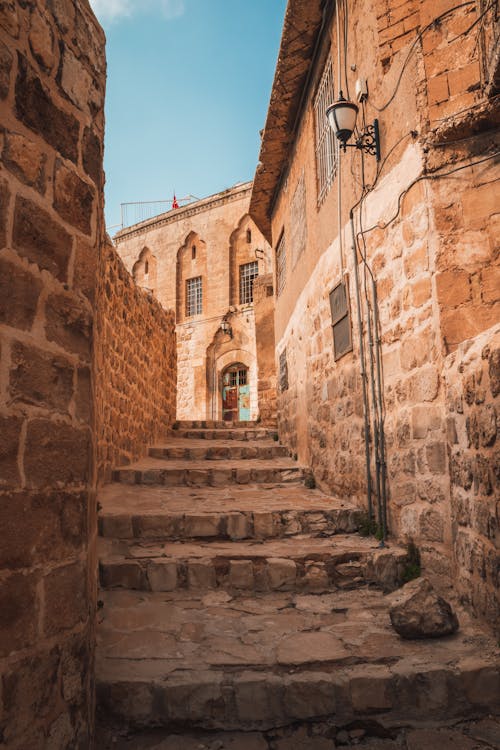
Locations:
{"points": [[427, 226], [52, 80], [472, 386], [135, 367]]}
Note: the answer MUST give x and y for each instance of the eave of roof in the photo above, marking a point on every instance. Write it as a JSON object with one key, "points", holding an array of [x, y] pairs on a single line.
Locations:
{"points": [[301, 27]]}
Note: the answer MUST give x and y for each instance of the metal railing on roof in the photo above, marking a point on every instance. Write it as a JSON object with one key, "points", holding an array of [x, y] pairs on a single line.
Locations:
{"points": [[134, 213]]}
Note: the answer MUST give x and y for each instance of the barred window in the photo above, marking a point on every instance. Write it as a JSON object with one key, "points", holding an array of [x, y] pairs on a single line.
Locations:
{"points": [[194, 296], [248, 272], [280, 265], [325, 137], [283, 374], [297, 229], [237, 377]]}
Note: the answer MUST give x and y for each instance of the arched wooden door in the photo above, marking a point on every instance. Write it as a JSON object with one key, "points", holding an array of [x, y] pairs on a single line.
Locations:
{"points": [[235, 394]]}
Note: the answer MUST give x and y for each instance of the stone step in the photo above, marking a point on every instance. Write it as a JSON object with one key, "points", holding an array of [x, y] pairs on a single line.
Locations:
{"points": [[225, 433], [235, 512], [217, 450], [474, 734], [253, 663], [211, 424], [153, 471], [302, 563]]}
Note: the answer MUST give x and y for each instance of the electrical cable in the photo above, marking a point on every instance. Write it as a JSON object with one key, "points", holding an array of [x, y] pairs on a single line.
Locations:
{"points": [[431, 176], [412, 49], [466, 109], [478, 20]]}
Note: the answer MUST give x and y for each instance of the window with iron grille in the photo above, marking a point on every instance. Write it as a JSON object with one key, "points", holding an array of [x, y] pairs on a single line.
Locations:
{"points": [[325, 137], [297, 229], [283, 374], [341, 319], [194, 296], [280, 265], [248, 272]]}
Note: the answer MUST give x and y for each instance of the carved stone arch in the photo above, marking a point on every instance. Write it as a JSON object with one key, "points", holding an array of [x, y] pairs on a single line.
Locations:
{"points": [[145, 270], [222, 352], [191, 261]]}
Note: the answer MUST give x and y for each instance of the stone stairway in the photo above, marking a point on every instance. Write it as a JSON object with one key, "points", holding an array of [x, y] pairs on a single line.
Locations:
{"points": [[234, 598]]}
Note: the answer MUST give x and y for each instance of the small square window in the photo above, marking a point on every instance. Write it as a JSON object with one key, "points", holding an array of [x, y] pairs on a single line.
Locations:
{"points": [[194, 297], [341, 319]]}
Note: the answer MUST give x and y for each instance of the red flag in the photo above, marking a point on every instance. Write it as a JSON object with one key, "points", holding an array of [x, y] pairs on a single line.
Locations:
{"points": [[174, 203]]}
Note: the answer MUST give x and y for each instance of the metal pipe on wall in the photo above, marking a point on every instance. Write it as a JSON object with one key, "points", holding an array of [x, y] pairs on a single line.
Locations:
{"points": [[376, 426], [383, 466], [363, 373]]}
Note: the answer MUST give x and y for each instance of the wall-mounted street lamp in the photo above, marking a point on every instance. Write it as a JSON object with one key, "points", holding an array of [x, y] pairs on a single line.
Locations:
{"points": [[342, 119], [225, 327]]}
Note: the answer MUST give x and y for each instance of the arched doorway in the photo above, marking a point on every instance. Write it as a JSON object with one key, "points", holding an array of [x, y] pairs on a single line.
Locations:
{"points": [[235, 393]]}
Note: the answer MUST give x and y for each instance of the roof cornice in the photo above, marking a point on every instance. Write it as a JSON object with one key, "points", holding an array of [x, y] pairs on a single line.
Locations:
{"points": [[301, 29]]}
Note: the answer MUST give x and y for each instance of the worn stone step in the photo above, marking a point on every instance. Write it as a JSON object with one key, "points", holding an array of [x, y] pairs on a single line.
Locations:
{"points": [[235, 512], [217, 450], [201, 474], [250, 663], [480, 734], [302, 563], [211, 424], [225, 433]]}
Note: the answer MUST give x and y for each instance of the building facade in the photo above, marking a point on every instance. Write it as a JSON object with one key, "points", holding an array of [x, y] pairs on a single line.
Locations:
{"points": [[203, 261], [387, 272]]}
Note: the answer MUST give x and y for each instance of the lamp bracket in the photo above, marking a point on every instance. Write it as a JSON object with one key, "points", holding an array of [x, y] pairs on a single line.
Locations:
{"points": [[369, 140]]}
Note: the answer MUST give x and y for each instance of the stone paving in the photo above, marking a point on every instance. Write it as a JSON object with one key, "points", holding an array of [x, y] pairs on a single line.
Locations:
{"points": [[251, 607], [483, 734]]}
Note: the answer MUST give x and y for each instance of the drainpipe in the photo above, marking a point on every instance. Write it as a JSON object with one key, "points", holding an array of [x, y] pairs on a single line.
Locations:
{"points": [[383, 466], [363, 373], [376, 426]]}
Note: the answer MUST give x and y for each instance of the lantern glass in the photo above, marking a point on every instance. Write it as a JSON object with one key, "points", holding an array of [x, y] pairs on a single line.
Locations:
{"points": [[342, 118]]}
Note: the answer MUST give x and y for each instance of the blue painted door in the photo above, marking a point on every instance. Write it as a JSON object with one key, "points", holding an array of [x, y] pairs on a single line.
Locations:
{"points": [[244, 403]]}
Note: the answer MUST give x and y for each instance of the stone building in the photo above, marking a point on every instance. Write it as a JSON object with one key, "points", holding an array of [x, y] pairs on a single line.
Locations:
{"points": [[203, 261], [246, 546], [413, 239]]}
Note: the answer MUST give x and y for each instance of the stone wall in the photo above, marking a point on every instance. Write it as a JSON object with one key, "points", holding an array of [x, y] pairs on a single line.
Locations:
{"points": [[52, 80], [427, 225], [472, 382], [135, 367]]}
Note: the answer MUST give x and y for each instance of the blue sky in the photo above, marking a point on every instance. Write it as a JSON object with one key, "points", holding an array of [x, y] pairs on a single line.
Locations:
{"points": [[188, 89]]}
